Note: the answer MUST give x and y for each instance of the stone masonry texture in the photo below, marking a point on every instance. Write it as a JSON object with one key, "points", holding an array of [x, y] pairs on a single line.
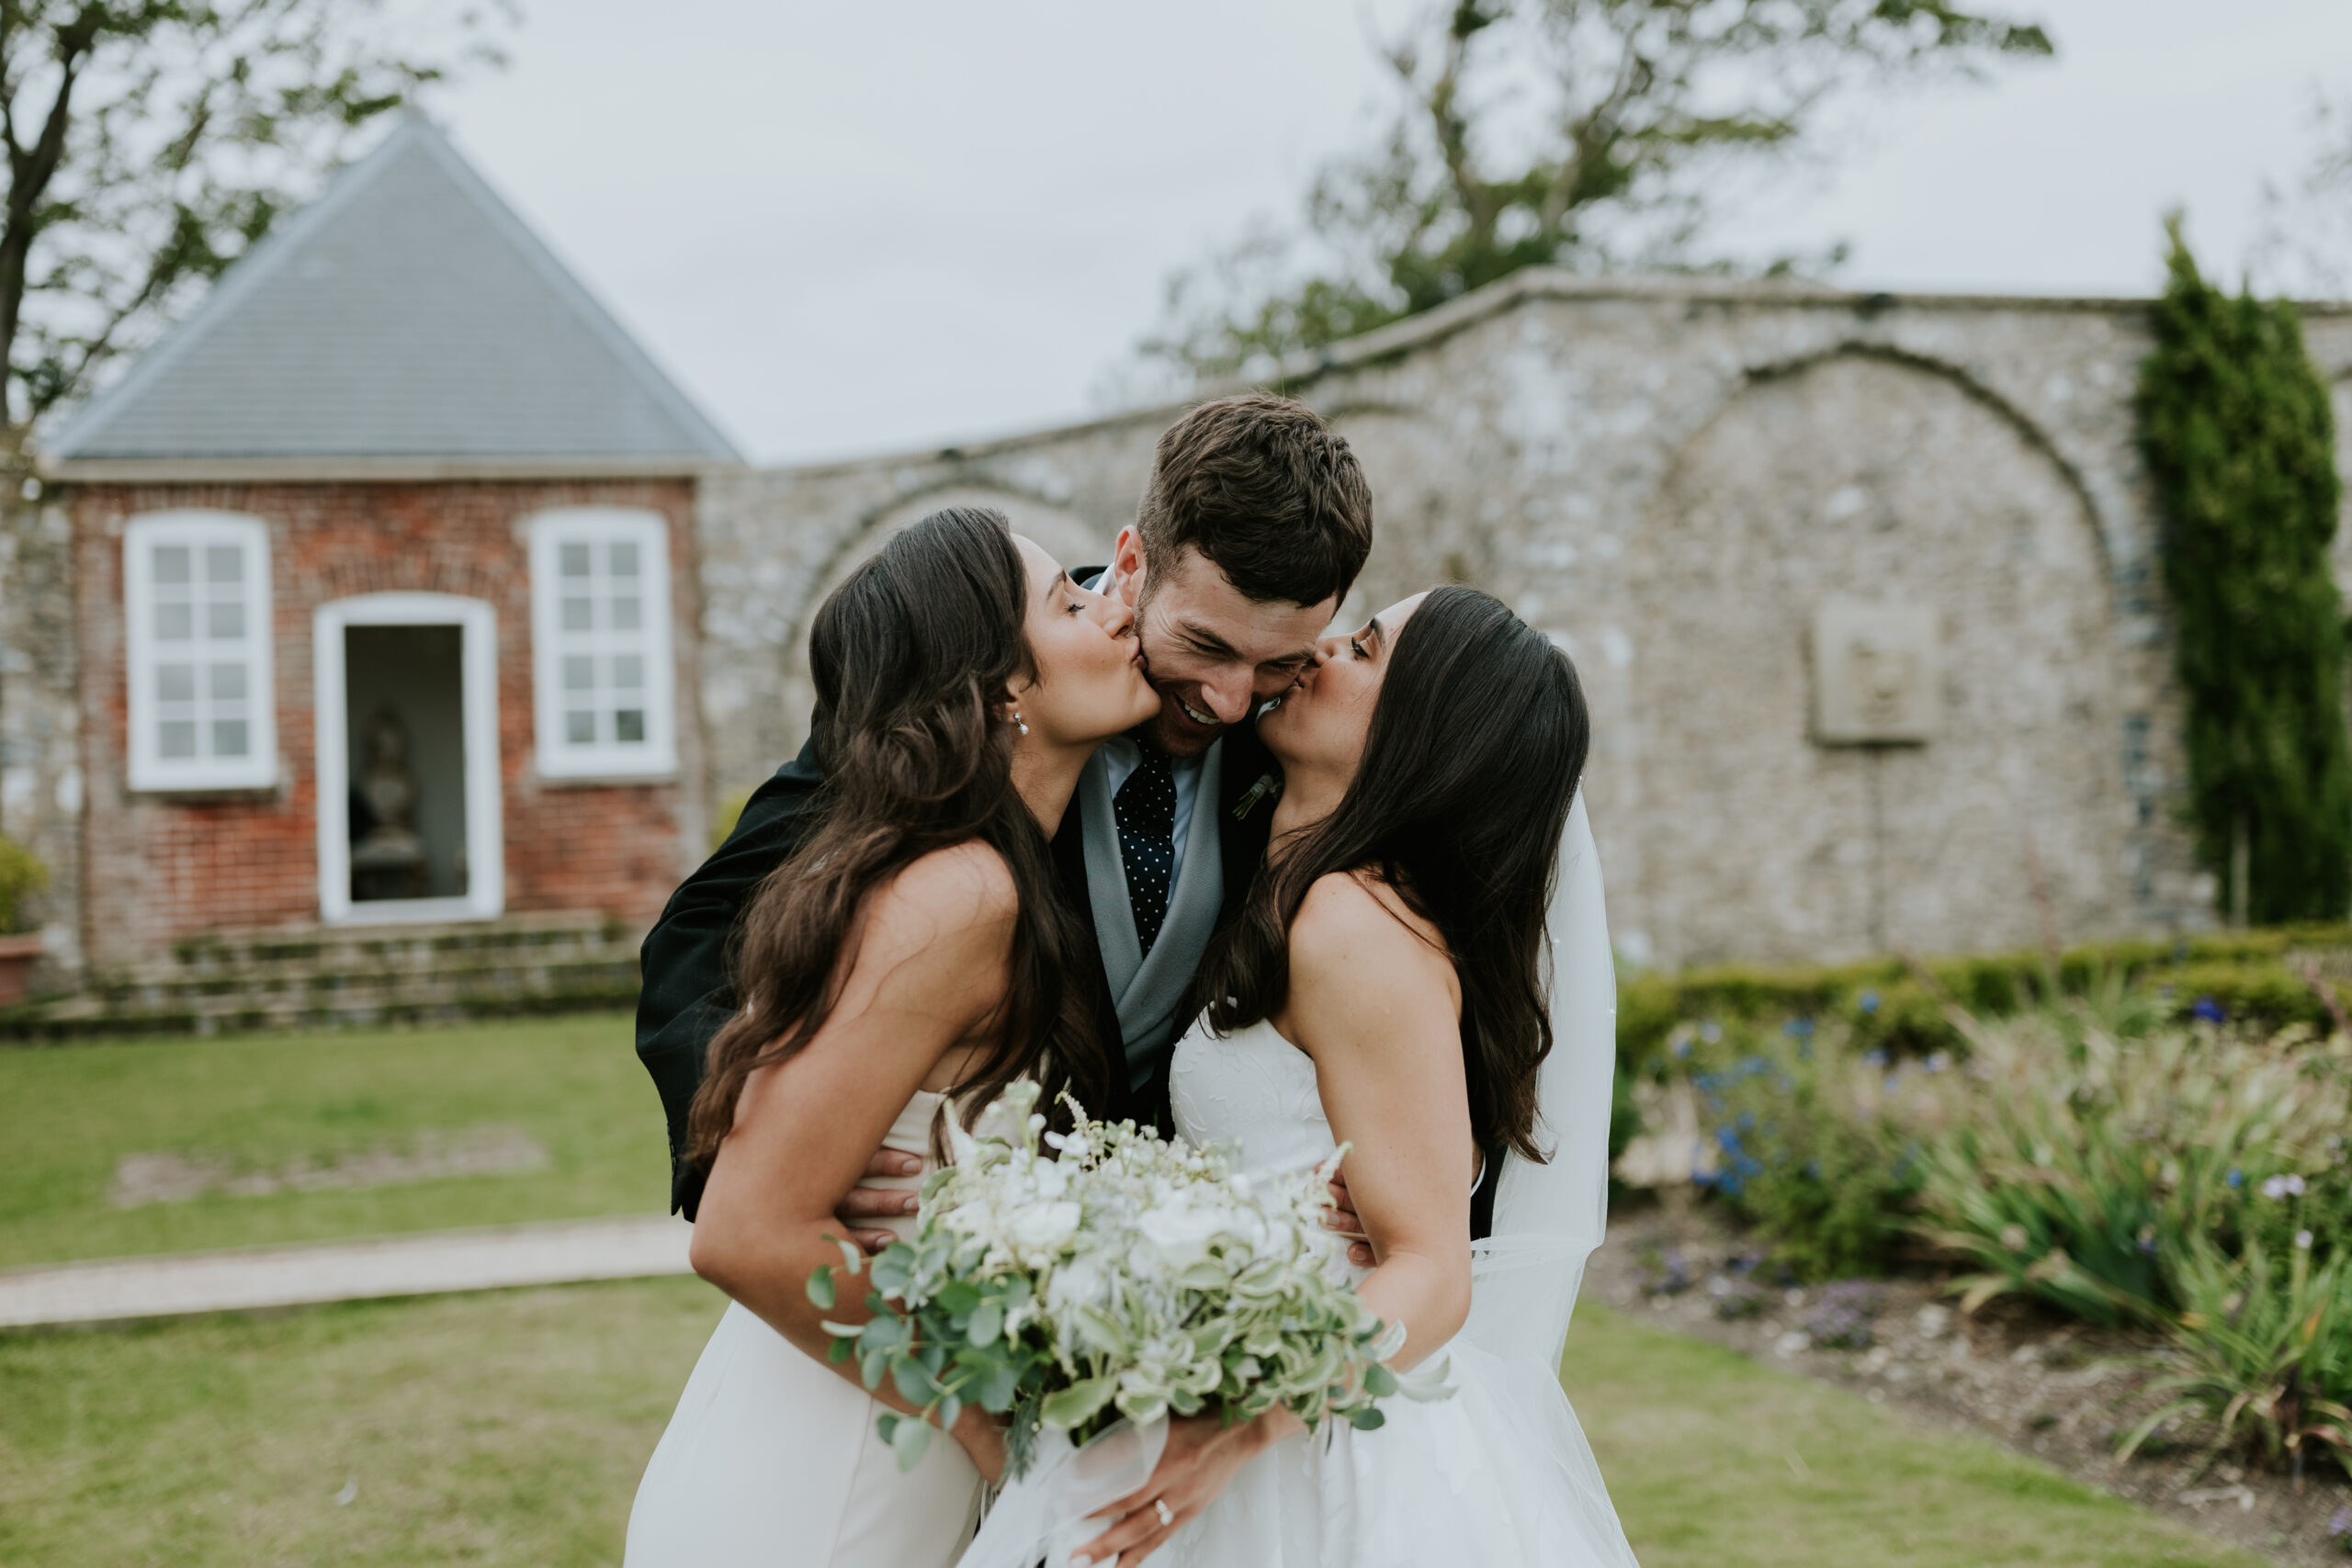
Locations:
{"points": [[1670, 478]]}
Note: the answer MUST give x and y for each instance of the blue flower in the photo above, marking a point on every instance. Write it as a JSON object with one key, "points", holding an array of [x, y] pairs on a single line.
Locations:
{"points": [[1875, 1056], [1683, 1050], [1870, 1001], [1798, 1029], [2209, 1009], [2236, 1178]]}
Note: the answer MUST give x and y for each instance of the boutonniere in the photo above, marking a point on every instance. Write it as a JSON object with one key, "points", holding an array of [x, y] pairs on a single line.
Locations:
{"points": [[1267, 786]]}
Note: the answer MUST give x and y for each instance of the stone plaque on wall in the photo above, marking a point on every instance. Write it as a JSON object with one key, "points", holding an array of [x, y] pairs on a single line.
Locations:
{"points": [[1875, 680]]}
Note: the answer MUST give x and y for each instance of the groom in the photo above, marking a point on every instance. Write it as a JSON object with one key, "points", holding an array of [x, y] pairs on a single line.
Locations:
{"points": [[1255, 522]]}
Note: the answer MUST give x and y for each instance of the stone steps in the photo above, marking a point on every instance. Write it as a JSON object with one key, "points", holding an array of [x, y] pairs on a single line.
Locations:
{"points": [[326, 976]]}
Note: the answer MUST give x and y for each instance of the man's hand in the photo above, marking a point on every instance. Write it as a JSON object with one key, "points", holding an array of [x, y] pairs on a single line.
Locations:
{"points": [[1341, 1217], [1200, 1459], [866, 1203]]}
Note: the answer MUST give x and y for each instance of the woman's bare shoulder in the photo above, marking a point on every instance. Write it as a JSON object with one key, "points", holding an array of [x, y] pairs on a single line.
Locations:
{"points": [[1349, 921], [959, 893]]}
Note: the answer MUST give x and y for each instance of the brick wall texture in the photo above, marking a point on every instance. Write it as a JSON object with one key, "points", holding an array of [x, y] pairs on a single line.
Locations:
{"points": [[159, 866]]}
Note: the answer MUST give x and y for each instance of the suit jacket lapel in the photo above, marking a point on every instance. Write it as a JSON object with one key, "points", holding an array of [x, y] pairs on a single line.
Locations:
{"points": [[1106, 878], [1250, 785], [1147, 1003]]}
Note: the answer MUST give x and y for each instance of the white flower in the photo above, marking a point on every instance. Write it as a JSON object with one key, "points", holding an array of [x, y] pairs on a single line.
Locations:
{"points": [[2303, 1240], [1181, 1233], [2283, 1187], [1041, 1229]]}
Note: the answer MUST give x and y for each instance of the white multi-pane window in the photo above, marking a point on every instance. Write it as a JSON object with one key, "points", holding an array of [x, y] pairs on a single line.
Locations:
{"points": [[196, 607], [600, 629]]}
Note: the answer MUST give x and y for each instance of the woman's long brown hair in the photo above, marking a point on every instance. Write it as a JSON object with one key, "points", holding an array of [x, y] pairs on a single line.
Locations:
{"points": [[1477, 744], [911, 659]]}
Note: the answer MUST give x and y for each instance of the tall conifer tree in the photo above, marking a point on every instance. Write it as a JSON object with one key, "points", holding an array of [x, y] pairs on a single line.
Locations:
{"points": [[2240, 439]]}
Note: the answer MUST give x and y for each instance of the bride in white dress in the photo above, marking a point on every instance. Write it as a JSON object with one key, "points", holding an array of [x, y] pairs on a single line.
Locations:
{"points": [[914, 945], [1385, 988]]}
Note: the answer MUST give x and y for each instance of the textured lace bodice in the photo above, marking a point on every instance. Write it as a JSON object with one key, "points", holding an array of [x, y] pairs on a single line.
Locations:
{"points": [[1253, 1088]]}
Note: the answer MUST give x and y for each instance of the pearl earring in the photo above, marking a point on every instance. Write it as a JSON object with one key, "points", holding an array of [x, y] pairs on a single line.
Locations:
{"points": [[1020, 723]]}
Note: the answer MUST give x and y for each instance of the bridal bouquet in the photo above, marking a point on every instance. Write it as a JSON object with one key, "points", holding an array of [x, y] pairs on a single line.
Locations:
{"points": [[1134, 1276]]}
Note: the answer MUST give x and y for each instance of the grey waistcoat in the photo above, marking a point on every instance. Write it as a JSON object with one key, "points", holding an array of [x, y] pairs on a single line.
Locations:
{"points": [[1148, 991]]}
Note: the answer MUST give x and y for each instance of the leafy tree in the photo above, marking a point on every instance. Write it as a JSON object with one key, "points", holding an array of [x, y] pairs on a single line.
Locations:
{"points": [[150, 142], [1639, 110], [2239, 436], [2305, 243]]}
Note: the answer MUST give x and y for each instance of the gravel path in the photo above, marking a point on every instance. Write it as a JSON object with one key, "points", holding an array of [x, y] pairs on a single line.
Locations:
{"points": [[429, 1264]]}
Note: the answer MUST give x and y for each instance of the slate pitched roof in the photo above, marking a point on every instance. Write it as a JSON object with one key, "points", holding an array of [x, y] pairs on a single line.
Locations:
{"points": [[406, 314]]}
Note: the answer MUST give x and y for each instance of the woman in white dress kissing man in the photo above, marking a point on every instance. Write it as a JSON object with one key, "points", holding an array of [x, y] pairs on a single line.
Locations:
{"points": [[913, 946], [1385, 987]]}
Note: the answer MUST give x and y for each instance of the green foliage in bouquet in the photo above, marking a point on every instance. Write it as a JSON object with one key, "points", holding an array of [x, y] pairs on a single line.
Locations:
{"points": [[1131, 1276]]}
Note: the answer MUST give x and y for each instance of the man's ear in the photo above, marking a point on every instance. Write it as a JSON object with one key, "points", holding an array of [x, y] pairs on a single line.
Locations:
{"points": [[1127, 568]]}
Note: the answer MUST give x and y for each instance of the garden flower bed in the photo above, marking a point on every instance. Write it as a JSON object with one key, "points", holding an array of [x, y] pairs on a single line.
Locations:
{"points": [[2056, 1389], [1926, 1192]]}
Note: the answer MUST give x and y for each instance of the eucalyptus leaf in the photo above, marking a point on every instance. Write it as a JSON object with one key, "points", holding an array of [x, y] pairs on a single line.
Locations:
{"points": [[987, 1323], [910, 1442], [1067, 1407], [820, 1288]]}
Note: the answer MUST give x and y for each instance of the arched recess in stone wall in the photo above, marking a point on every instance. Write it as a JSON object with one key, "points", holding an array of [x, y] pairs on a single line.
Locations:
{"points": [[1423, 531], [1071, 539], [1871, 478]]}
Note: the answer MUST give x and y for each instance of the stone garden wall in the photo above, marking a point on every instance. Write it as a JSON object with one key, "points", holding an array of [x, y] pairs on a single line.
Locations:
{"points": [[1733, 505]]}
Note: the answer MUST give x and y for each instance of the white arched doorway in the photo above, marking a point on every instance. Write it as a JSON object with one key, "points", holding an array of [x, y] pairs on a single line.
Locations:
{"points": [[408, 683]]}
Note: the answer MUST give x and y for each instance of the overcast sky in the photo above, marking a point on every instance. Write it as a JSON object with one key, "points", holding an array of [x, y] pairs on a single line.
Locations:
{"points": [[852, 229]]}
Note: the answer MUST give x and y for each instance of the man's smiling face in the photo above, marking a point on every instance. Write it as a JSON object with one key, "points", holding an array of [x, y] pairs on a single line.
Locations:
{"points": [[1212, 652]]}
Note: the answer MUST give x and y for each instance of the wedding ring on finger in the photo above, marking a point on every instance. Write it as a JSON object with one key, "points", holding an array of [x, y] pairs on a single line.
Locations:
{"points": [[1167, 1516]]}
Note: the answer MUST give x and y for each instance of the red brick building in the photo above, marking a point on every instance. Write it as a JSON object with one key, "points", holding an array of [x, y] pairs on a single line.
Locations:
{"points": [[385, 587]]}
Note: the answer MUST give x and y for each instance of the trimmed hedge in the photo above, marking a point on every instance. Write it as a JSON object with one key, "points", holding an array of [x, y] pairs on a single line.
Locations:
{"points": [[2254, 974]]}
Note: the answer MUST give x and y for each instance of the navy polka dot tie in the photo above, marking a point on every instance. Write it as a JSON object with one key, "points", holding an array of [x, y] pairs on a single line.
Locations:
{"points": [[1145, 809]]}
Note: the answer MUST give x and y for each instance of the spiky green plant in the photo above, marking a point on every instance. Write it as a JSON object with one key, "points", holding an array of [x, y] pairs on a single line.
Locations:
{"points": [[2266, 1353], [2072, 1162]]}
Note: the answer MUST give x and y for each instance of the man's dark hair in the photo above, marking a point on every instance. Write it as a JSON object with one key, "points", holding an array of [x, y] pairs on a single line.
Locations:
{"points": [[1267, 491]]}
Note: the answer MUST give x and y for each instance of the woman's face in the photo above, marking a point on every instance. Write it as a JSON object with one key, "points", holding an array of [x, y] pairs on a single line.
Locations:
{"points": [[1321, 722], [1090, 684]]}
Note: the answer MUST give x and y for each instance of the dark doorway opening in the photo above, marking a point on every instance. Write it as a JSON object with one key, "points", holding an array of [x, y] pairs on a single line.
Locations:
{"points": [[405, 726]]}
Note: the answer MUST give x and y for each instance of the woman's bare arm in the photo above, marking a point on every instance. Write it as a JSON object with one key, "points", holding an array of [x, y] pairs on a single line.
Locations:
{"points": [[1374, 1000], [929, 973]]}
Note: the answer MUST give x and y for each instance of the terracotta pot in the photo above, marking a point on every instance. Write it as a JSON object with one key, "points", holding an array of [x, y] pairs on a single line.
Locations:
{"points": [[17, 956]]}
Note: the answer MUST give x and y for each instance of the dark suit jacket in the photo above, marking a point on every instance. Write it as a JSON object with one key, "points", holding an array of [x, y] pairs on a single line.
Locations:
{"points": [[688, 993]]}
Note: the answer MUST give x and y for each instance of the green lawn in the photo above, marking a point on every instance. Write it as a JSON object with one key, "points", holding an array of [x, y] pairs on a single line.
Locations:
{"points": [[265, 1101], [1714, 1459], [511, 1428]]}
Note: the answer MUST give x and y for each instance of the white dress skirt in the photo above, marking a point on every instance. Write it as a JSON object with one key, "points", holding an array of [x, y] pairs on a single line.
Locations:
{"points": [[771, 1458], [1499, 1475]]}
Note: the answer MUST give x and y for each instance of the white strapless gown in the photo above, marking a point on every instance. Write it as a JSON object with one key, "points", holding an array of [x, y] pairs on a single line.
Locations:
{"points": [[771, 1459], [1499, 1476]]}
